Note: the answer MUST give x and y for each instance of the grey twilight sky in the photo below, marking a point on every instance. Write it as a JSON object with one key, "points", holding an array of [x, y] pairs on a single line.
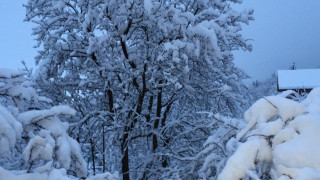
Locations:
{"points": [[284, 31]]}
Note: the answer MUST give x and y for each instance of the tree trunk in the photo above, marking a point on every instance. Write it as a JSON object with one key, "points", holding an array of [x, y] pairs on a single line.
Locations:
{"points": [[92, 155], [156, 122], [125, 158], [103, 150]]}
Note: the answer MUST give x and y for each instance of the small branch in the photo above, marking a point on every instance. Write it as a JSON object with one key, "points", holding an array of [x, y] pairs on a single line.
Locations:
{"points": [[270, 102], [29, 169]]}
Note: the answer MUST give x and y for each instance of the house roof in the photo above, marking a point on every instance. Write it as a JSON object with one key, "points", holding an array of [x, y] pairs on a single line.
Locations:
{"points": [[298, 79]]}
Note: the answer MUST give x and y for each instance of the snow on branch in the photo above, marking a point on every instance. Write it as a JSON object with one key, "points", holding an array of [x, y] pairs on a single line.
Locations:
{"points": [[10, 130], [38, 115]]}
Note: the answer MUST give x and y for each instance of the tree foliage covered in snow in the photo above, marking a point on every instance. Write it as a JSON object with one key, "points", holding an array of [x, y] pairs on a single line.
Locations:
{"points": [[259, 89], [280, 140], [34, 142], [138, 72]]}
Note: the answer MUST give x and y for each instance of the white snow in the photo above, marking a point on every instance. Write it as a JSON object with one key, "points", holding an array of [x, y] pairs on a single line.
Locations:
{"points": [[148, 6], [268, 129], [53, 174], [29, 117], [245, 157], [79, 163], [64, 152], [105, 176], [10, 130], [36, 148], [287, 109], [24, 92], [292, 130], [260, 111], [5, 174], [268, 107], [302, 149], [53, 138]]}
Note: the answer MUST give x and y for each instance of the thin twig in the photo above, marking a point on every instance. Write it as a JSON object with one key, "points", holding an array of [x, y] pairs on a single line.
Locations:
{"points": [[270, 102]]}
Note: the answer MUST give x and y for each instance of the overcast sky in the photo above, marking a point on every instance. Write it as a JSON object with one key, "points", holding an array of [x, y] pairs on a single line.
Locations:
{"points": [[284, 31], [16, 41]]}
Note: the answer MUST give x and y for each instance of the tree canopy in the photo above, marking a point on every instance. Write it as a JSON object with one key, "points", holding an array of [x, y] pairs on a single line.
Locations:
{"points": [[139, 73]]}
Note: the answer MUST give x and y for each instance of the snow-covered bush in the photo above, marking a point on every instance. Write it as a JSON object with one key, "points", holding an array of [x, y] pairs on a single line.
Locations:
{"points": [[34, 143], [49, 139], [216, 149], [280, 140], [10, 130]]}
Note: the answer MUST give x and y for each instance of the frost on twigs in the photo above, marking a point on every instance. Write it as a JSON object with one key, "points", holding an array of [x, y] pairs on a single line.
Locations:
{"points": [[282, 133]]}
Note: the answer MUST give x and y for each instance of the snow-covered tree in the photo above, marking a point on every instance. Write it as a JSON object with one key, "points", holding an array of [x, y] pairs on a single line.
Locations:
{"points": [[280, 140], [259, 89], [293, 66], [138, 72]]}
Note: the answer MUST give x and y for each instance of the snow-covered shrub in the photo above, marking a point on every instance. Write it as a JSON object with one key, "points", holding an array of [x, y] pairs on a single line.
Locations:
{"points": [[34, 143], [280, 140], [10, 130], [16, 96], [49, 139], [216, 150]]}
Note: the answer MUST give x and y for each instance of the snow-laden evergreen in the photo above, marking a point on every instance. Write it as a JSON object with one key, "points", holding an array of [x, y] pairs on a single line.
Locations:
{"points": [[280, 140]]}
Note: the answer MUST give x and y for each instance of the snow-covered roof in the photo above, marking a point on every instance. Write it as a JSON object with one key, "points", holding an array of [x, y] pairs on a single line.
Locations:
{"points": [[298, 79]]}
